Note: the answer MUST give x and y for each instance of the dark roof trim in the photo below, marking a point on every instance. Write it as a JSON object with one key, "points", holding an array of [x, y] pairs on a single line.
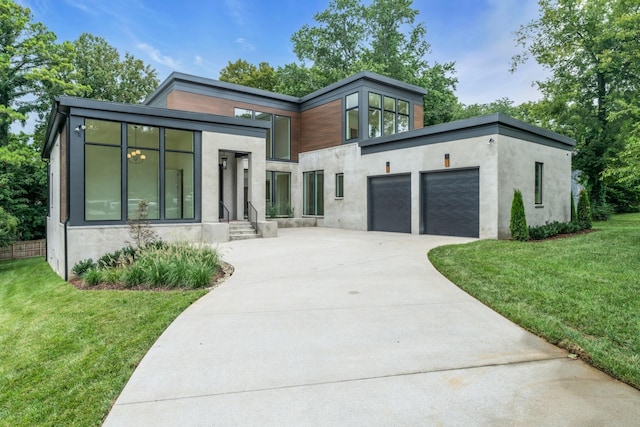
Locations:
{"points": [[494, 124], [66, 106], [175, 79]]}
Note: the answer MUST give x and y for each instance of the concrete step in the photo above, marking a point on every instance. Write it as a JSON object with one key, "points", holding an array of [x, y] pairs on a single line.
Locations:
{"points": [[241, 230], [243, 237]]}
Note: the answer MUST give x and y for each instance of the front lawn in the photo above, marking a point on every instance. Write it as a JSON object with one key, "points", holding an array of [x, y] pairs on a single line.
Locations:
{"points": [[582, 292], [66, 354]]}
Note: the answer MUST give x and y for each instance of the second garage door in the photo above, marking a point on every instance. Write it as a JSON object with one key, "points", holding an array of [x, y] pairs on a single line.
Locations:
{"points": [[389, 206], [450, 202]]}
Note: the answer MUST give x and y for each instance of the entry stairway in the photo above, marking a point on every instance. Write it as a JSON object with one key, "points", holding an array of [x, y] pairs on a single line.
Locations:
{"points": [[242, 230]]}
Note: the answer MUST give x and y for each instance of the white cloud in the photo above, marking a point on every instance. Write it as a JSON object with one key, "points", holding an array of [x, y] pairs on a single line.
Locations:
{"points": [[197, 60], [483, 61], [236, 10], [245, 44], [158, 57]]}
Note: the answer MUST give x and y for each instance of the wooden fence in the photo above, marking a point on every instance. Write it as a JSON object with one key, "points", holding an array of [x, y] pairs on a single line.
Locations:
{"points": [[29, 249]]}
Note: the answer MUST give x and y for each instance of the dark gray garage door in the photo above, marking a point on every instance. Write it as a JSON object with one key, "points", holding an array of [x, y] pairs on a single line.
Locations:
{"points": [[389, 204], [451, 203]]}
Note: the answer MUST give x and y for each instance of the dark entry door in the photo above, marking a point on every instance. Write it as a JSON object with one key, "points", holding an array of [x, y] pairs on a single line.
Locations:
{"points": [[451, 202], [389, 203]]}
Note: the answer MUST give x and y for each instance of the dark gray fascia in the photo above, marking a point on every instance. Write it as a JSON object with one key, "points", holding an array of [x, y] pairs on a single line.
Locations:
{"points": [[66, 106], [365, 75], [494, 124], [206, 84], [212, 87]]}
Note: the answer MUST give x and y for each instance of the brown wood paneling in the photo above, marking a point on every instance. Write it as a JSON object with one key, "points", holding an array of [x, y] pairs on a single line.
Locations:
{"points": [[322, 127], [179, 100], [418, 116], [63, 174]]}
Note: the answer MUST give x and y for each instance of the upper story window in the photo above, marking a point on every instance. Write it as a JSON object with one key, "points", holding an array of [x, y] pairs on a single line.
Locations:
{"points": [[387, 115], [352, 117], [278, 143]]}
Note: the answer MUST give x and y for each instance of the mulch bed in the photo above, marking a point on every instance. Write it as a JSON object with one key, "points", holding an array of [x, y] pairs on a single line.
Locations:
{"points": [[225, 272], [564, 236]]}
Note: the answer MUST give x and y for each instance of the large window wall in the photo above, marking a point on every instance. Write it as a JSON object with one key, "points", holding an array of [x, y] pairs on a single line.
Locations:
{"points": [[127, 163], [278, 143]]}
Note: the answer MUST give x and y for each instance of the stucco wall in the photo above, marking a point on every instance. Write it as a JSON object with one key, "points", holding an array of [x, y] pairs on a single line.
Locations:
{"points": [[212, 145], [55, 230], [517, 171], [351, 211], [93, 242]]}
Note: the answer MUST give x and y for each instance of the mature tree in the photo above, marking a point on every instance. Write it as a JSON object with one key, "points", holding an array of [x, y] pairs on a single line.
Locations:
{"points": [[383, 37], [502, 105], [335, 46], [8, 228], [591, 49], [32, 66], [243, 73], [23, 186], [100, 70]]}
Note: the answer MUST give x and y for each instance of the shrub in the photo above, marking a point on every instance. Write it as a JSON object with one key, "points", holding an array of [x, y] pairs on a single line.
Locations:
{"points": [[518, 224], [552, 229], [573, 209], [82, 267], [602, 211], [92, 277], [584, 210]]}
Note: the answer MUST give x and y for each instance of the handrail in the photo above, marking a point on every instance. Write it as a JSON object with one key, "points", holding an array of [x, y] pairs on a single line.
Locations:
{"points": [[254, 211], [224, 209]]}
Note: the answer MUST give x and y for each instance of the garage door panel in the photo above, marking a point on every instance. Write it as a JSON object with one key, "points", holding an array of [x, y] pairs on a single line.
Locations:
{"points": [[389, 206], [451, 202]]}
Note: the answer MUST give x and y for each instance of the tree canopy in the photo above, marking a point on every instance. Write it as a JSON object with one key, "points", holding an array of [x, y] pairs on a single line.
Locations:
{"points": [[349, 37], [591, 49], [32, 66]]}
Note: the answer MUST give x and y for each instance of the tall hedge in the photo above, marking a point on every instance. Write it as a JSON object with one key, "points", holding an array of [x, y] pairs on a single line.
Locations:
{"points": [[573, 209], [584, 210], [518, 224]]}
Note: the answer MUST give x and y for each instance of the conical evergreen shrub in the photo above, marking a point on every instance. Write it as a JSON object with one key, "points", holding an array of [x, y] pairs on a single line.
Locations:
{"points": [[518, 224], [584, 210], [573, 209]]}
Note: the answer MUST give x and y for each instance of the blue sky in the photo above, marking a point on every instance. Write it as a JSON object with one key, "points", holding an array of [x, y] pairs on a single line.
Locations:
{"points": [[200, 37]]}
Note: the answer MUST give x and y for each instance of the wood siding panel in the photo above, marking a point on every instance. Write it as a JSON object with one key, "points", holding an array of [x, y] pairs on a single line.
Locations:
{"points": [[179, 100], [418, 116], [322, 127]]}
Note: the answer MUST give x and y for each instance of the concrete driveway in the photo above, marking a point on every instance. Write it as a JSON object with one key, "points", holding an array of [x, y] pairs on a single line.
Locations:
{"points": [[325, 327]]}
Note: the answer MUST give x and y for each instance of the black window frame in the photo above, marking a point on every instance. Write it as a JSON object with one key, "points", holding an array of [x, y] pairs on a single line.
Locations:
{"points": [[270, 154], [340, 185], [78, 168], [382, 110], [538, 183]]}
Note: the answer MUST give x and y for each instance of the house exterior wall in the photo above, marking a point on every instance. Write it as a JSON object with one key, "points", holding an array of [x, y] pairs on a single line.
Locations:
{"points": [[517, 171], [351, 211], [321, 126], [187, 101], [55, 228]]}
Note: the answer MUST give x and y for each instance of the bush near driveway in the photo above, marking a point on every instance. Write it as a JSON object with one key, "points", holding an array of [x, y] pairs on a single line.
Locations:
{"points": [[580, 293]]}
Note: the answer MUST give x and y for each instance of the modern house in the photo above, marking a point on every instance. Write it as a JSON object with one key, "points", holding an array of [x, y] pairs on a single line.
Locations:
{"points": [[353, 155]]}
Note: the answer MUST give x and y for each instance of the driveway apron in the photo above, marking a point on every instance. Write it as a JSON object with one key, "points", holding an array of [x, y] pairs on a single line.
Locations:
{"points": [[326, 327]]}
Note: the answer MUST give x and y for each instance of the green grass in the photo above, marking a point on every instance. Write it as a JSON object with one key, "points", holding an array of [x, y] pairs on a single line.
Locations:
{"points": [[66, 354], [582, 292]]}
